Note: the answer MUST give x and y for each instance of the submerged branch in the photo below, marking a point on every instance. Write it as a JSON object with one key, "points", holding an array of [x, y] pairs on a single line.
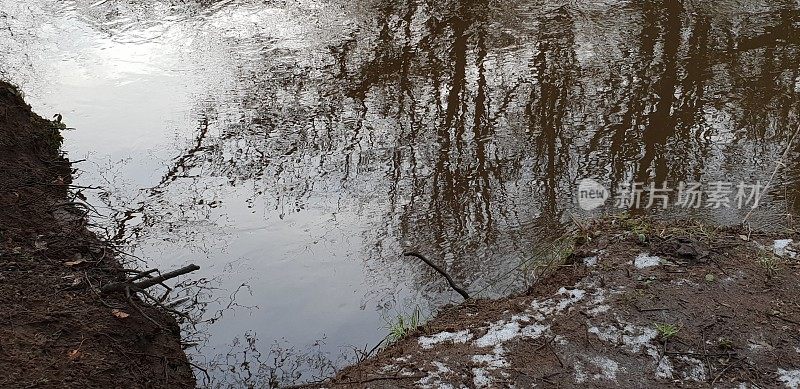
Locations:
{"points": [[439, 270], [141, 285]]}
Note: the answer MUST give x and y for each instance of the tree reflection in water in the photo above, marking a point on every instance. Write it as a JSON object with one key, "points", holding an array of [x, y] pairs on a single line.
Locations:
{"points": [[460, 129]]}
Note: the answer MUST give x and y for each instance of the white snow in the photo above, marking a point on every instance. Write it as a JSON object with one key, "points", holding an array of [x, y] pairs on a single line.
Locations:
{"points": [[645, 260], [499, 332], [494, 360], [635, 339], [598, 310], [664, 366], [696, 371], [580, 375], [503, 331], [481, 378], [534, 331], [433, 379], [782, 248], [608, 367], [543, 309], [427, 342], [590, 261], [574, 295], [790, 378], [441, 367]]}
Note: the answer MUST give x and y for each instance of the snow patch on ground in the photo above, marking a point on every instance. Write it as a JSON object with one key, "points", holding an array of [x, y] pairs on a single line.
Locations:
{"points": [[790, 378], [498, 333], [428, 342], [598, 310], [664, 366], [573, 296], [596, 303], [495, 360], [441, 367], [545, 308], [696, 370], [590, 261], [503, 331], [645, 260], [783, 248], [608, 368], [434, 378], [481, 378], [634, 338], [580, 374]]}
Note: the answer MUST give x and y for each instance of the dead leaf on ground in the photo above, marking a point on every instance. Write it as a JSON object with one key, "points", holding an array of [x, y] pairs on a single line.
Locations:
{"points": [[74, 263], [74, 355], [119, 314]]}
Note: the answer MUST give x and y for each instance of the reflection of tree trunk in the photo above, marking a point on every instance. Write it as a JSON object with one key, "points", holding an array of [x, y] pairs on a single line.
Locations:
{"points": [[424, 74], [690, 108], [548, 106], [482, 134], [661, 124], [786, 32], [623, 144]]}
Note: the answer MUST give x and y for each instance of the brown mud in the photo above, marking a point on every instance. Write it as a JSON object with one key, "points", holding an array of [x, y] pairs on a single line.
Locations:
{"points": [[55, 329], [636, 304]]}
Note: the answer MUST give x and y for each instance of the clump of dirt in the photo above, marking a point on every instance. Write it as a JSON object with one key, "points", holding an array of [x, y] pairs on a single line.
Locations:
{"points": [[55, 330], [637, 304]]}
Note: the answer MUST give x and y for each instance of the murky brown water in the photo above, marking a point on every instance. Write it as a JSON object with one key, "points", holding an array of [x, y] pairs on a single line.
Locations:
{"points": [[299, 147]]}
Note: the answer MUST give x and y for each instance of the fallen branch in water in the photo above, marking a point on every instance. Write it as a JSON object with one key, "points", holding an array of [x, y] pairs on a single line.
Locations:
{"points": [[134, 285], [439, 270]]}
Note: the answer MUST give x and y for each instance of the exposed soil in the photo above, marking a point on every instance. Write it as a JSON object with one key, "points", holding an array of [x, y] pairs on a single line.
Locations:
{"points": [[55, 329], [636, 305]]}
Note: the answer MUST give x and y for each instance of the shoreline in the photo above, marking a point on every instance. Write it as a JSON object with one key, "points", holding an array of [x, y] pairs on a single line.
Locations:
{"points": [[636, 303], [632, 303], [56, 329]]}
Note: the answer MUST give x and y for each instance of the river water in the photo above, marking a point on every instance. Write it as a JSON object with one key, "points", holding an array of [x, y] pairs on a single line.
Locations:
{"points": [[295, 149]]}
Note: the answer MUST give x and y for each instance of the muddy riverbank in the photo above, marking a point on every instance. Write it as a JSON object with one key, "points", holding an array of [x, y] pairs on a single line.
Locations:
{"points": [[635, 304], [55, 329]]}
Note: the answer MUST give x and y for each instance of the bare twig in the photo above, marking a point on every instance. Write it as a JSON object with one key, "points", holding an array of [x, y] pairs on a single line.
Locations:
{"points": [[133, 304], [141, 285], [439, 270]]}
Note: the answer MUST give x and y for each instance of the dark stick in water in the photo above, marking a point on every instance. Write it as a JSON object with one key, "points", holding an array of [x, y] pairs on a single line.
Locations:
{"points": [[141, 285], [439, 270]]}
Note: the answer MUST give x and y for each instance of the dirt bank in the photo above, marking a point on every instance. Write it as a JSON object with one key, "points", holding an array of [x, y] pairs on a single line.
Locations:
{"points": [[55, 330], [635, 305]]}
